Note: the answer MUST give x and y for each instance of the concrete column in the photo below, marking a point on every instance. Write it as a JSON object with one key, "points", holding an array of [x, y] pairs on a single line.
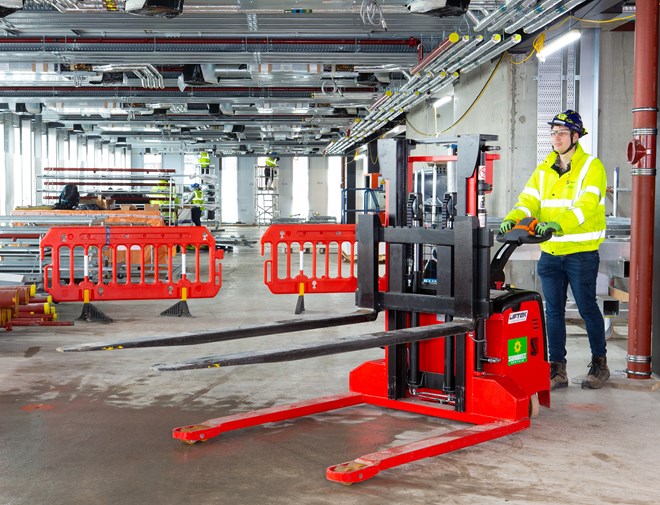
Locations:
{"points": [[245, 191], [318, 186], [285, 186]]}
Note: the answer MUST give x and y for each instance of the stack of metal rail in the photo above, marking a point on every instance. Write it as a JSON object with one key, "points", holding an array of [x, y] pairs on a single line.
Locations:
{"points": [[20, 236]]}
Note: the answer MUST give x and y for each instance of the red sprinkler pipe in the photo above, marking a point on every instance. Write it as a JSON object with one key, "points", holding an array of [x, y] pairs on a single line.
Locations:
{"points": [[642, 154], [433, 55]]}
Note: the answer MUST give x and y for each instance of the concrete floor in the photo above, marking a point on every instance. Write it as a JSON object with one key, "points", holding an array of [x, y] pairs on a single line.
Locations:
{"points": [[94, 428]]}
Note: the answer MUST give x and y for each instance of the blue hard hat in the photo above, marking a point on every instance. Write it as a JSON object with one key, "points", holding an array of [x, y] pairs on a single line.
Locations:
{"points": [[194, 185], [570, 119]]}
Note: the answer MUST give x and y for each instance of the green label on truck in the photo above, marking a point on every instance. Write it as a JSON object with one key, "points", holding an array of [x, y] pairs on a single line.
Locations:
{"points": [[517, 351]]}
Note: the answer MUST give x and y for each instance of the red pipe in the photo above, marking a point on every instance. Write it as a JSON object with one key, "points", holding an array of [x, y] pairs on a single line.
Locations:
{"points": [[433, 55], [58, 90], [410, 42], [642, 154]]}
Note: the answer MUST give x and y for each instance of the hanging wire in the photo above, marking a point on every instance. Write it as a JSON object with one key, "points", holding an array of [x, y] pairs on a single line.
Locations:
{"points": [[605, 21], [539, 40], [372, 14], [469, 109], [483, 90], [537, 46]]}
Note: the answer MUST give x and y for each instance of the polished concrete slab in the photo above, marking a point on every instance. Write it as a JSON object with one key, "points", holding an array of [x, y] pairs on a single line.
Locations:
{"points": [[83, 428]]}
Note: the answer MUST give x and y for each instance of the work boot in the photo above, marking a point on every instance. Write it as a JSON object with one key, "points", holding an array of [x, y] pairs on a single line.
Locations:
{"points": [[558, 376], [598, 373]]}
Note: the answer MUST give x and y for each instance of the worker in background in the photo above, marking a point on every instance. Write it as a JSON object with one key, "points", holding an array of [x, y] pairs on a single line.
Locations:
{"points": [[566, 193], [204, 160], [196, 198], [269, 171], [164, 195]]}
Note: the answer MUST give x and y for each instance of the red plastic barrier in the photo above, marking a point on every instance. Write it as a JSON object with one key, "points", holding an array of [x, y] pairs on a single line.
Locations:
{"points": [[129, 263], [333, 252]]}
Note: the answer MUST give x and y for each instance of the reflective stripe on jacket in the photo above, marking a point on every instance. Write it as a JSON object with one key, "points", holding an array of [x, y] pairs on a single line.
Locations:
{"points": [[575, 201]]}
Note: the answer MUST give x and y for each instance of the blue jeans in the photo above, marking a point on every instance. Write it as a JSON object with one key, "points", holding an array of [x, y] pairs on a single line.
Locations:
{"points": [[580, 270]]}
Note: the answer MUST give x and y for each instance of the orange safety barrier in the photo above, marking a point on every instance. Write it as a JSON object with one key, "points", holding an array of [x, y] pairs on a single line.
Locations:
{"points": [[331, 268], [129, 263]]}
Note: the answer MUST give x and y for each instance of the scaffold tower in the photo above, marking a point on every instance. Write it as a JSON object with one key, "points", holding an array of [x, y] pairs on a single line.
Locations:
{"points": [[266, 194]]}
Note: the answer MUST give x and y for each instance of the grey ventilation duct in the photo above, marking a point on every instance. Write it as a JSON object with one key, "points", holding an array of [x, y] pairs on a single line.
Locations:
{"points": [[8, 7], [439, 8], [25, 109], [159, 8]]}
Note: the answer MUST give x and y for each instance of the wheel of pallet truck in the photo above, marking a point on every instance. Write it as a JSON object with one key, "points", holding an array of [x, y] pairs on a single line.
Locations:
{"points": [[534, 406]]}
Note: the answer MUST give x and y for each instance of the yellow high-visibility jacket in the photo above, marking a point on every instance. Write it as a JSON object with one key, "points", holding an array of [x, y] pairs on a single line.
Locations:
{"points": [[575, 201], [198, 198]]}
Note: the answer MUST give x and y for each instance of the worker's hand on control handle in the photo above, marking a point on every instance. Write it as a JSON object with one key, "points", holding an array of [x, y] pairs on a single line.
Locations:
{"points": [[547, 228], [506, 226]]}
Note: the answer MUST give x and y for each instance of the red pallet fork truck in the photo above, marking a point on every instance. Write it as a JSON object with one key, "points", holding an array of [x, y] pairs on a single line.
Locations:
{"points": [[454, 347]]}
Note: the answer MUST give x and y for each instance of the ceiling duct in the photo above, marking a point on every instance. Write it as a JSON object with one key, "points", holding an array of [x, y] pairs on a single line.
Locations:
{"points": [[25, 109], [229, 71], [8, 7], [147, 73], [439, 8], [196, 75], [158, 8]]}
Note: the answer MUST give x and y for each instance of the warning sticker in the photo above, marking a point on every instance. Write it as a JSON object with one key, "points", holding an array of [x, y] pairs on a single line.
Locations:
{"points": [[517, 351]]}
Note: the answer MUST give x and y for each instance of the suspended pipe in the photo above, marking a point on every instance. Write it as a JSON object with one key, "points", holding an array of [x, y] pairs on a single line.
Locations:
{"points": [[455, 61], [513, 9], [492, 16], [505, 19], [561, 9], [433, 55], [537, 11], [447, 55], [642, 155], [164, 43], [513, 40], [493, 41]]}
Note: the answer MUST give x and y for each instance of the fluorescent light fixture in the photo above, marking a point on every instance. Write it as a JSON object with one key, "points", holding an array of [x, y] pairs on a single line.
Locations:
{"points": [[557, 44], [442, 101]]}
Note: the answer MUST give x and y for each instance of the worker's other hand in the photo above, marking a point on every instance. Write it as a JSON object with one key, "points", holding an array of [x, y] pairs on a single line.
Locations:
{"points": [[506, 226], [543, 228]]}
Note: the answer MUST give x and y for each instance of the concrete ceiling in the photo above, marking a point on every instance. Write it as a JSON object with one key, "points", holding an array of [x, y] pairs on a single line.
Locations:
{"points": [[250, 77]]}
